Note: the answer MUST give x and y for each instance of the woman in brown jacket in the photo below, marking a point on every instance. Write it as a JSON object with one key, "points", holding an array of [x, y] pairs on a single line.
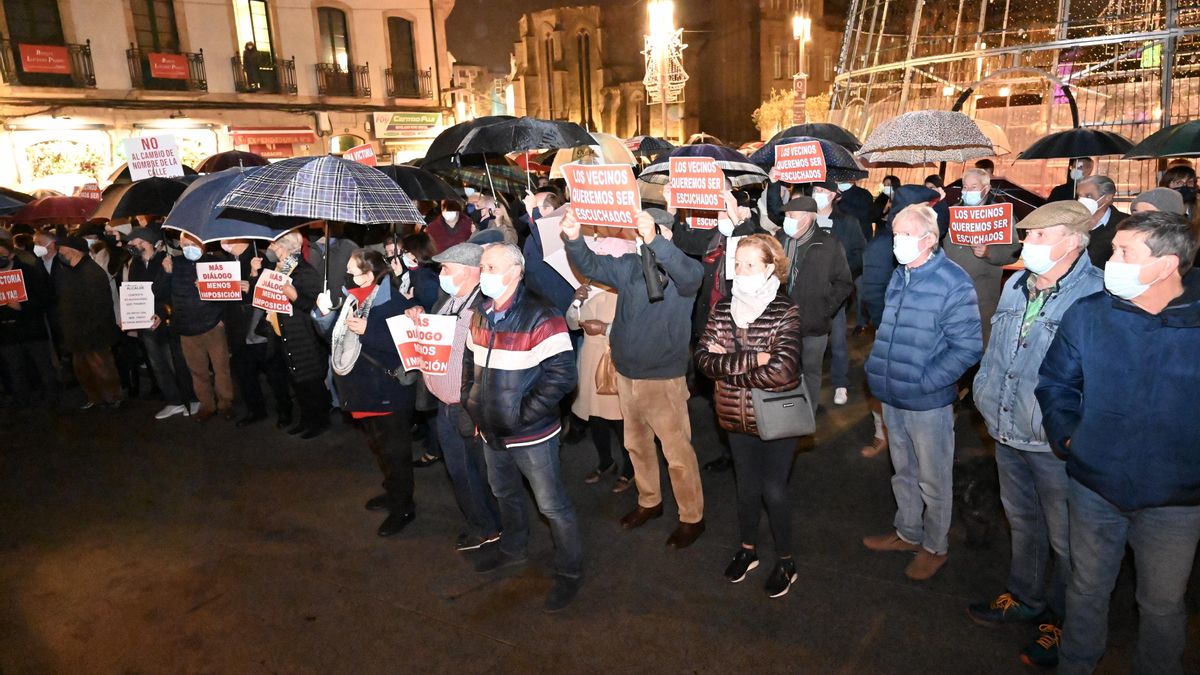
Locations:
{"points": [[752, 340]]}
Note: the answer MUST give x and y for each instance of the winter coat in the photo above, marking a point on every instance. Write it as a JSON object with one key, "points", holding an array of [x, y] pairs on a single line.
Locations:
{"points": [[1008, 373], [1120, 385], [929, 337], [444, 236], [649, 340], [1100, 247], [307, 355], [776, 332], [189, 314], [849, 233], [856, 203], [517, 368], [160, 284], [711, 248], [28, 324], [339, 256], [878, 259], [85, 308], [819, 280]]}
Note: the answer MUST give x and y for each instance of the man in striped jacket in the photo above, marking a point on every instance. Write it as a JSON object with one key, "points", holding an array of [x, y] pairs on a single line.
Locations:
{"points": [[517, 366]]}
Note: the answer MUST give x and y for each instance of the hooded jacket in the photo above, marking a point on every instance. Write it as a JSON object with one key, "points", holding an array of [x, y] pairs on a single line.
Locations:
{"points": [[1120, 384]]}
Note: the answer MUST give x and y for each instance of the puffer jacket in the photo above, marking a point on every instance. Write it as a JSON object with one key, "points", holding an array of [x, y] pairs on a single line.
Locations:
{"points": [[1009, 371], [736, 372], [929, 337], [518, 366], [878, 259]]}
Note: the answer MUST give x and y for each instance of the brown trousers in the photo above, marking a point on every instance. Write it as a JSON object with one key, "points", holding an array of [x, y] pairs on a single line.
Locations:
{"points": [[97, 374], [202, 352], [659, 408]]}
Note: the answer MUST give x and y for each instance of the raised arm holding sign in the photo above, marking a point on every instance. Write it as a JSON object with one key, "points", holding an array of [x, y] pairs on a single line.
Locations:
{"points": [[603, 195], [696, 183]]}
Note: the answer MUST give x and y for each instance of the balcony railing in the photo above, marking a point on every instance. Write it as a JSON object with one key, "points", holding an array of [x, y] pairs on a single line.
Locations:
{"points": [[268, 76], [68, 65], [166, 70], [333, 80], [409, 83]]}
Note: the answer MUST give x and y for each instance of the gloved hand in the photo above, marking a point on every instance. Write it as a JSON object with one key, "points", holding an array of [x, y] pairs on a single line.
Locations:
{"points": [[324, 302], [466, 425]]}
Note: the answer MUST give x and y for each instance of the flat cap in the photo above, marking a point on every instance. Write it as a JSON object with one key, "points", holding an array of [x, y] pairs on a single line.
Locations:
{"points": [[466, 253], [1070, 213], [145, 234], [801, 203], [491, 235]]}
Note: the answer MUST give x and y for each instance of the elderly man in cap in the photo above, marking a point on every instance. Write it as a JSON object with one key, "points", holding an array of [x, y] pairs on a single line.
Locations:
{"points": [[650, 354], [89, 327], [819, 283], [834, 217], [1033, 482], [1159, 199], [459, 280]]}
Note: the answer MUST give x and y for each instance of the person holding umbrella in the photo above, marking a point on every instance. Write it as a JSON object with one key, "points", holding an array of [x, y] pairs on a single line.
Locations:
{"points": [[1080, 168]]}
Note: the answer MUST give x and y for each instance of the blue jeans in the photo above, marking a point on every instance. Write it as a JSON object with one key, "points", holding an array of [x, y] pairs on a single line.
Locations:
{"points": [[540, 466], [921, 443], [1163, 540], [839, 348], [1033, 489], [468, 474]]}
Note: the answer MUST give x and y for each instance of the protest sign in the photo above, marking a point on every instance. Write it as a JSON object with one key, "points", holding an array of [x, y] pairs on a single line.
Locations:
{"points": [[730, 257], [696, 183], [424, 343], [12, 287], [136, 305], [151, 156], [981, 225], [702, 220], [603, 194], [268, 292], [363, 154], [89, 191], [802, 162], [219, 280]]}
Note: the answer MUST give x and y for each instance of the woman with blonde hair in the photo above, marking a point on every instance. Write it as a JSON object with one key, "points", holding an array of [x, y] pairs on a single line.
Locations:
{"points": [[752, 341]]}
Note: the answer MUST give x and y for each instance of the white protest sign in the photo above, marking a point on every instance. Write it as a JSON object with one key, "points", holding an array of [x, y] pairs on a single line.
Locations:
{"points": [[268, 292], [151, 156], [219, 280], [137, 305], [425, 343], [731, 255]]}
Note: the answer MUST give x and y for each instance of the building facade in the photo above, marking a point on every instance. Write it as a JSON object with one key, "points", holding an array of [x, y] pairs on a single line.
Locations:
{"points": [[279, 78]]}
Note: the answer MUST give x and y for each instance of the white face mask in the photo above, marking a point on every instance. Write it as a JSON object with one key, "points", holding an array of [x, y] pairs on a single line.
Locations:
{"points": [[822, 199], [1124, 279], [842, 187], [1076, 174], [791, 227], [451, 217], [1090, 204], [1037, 257], [972, 197], [750, 284], [887, 190], [447, 284], [725, 227], [124, 229], [492, 285], [40, 251], [824, 223], [409, 260], [906, 248]]}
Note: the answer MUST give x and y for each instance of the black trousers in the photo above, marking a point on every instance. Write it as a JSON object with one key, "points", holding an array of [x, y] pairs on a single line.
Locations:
{"points": [[390, 439], [762, 477], [313, 399], [248, 362], [603, 431]]}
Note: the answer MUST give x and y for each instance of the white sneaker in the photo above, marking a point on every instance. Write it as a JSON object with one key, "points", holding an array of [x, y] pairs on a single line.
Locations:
{"points": [[170, 411], [193, 408], [840, 396]]}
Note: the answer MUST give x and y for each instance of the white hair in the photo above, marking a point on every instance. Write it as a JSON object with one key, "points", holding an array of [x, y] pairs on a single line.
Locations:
{"points": [[511, 251], [983, 176], [921, 214]]}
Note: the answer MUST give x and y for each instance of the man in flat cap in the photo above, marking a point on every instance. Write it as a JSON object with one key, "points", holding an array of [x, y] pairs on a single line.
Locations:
{"points": [[1033, 481]]}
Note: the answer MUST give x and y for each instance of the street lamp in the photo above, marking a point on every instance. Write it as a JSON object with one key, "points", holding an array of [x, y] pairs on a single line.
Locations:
{"points": [[802, 34], [665, 77]]}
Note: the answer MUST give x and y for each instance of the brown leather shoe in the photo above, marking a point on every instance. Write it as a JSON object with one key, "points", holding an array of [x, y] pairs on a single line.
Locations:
{"points": [[877, 447], [639, 516], [890, 542], [204, 415], [925, 565], [685, 535]]}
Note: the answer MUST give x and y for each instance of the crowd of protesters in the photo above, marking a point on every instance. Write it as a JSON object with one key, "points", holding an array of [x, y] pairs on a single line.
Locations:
{"points": [[1076, 343]]}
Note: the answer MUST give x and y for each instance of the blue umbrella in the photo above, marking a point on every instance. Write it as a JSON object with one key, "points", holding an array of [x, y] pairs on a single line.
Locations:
{"points": [[9, 206], [839, 163], [198, 213]]}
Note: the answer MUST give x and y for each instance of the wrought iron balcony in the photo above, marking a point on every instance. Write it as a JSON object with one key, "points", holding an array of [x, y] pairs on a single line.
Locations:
{"points": [[409, 83], [268, 76], [333, 80], [167, 71], [34, 65]]}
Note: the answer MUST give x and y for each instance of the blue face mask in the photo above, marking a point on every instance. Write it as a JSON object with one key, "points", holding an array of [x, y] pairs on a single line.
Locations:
{"points": [[447, 284], [192, 253], [492, 285]]}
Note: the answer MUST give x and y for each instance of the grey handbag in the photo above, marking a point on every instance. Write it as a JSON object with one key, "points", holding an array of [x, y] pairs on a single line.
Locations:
{"points": [[783, 414]]}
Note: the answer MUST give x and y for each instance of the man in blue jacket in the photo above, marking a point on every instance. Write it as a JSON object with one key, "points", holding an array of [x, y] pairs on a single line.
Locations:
{"points": [[1118, 397], [1033, 482], [929, 337]]}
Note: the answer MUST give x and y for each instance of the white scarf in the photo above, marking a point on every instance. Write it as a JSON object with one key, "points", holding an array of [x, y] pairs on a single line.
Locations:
{"points": [[751, 297], [346, 344]]}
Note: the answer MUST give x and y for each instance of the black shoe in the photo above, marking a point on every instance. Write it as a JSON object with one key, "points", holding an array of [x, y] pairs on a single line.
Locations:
{"points": [[743, 561], [722, 463], [498, 561], [426, 460], [781, 579], [252, 418], [561, 594], [378, 503], [395, 522], [313, 432]]}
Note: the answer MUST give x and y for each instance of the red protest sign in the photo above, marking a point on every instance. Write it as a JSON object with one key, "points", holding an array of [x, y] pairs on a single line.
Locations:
{"points": [[424, 343], [696, 183], [981, 225], [219, 281], [363, 154], [89, 191], [268, 292], [603, 194], [50, 59], [168, 66], [801, 162], [702, 220], [12, 286]]}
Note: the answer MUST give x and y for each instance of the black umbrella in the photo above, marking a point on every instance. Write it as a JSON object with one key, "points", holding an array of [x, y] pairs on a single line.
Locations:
{"points": [[1177, 140], [839, 163], [823, 130], [739, 170], [149, 197], [230, 159], [15, 195], [523, 134], [445, 146], [648, 146], [1077, 142], [421, 184]]}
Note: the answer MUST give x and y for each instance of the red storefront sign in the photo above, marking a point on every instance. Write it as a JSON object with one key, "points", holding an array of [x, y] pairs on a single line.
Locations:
{"points": [[168, 66], [49, 59], [272, 151], [271, 135]]}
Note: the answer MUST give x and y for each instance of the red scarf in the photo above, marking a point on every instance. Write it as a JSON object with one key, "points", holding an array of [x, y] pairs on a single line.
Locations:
{"points": [[361, 293]]}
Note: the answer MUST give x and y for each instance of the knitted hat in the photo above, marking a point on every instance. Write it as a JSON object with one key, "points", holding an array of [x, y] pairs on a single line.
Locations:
{"points": [[1162, 199]]}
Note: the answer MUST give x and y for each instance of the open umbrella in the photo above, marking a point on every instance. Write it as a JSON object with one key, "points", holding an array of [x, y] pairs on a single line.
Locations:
{"points": [[839, 163], [648, 146], [736, 167], [1177, 140], [1078, 142], [420, 184], [606, 149], [748, 149], [9, 206], [445, 146], [522, 134], [533, 164], [15, 195], [198, 213], [509, 179], [148, 197], [229, 160], [926, 136], [996, 135], [122, 175], [57, 210], [702, 138], [822, 130]]}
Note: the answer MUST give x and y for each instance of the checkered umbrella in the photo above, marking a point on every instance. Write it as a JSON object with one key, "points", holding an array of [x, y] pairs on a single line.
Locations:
{"points": [[324, 188], [924, 137]]}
